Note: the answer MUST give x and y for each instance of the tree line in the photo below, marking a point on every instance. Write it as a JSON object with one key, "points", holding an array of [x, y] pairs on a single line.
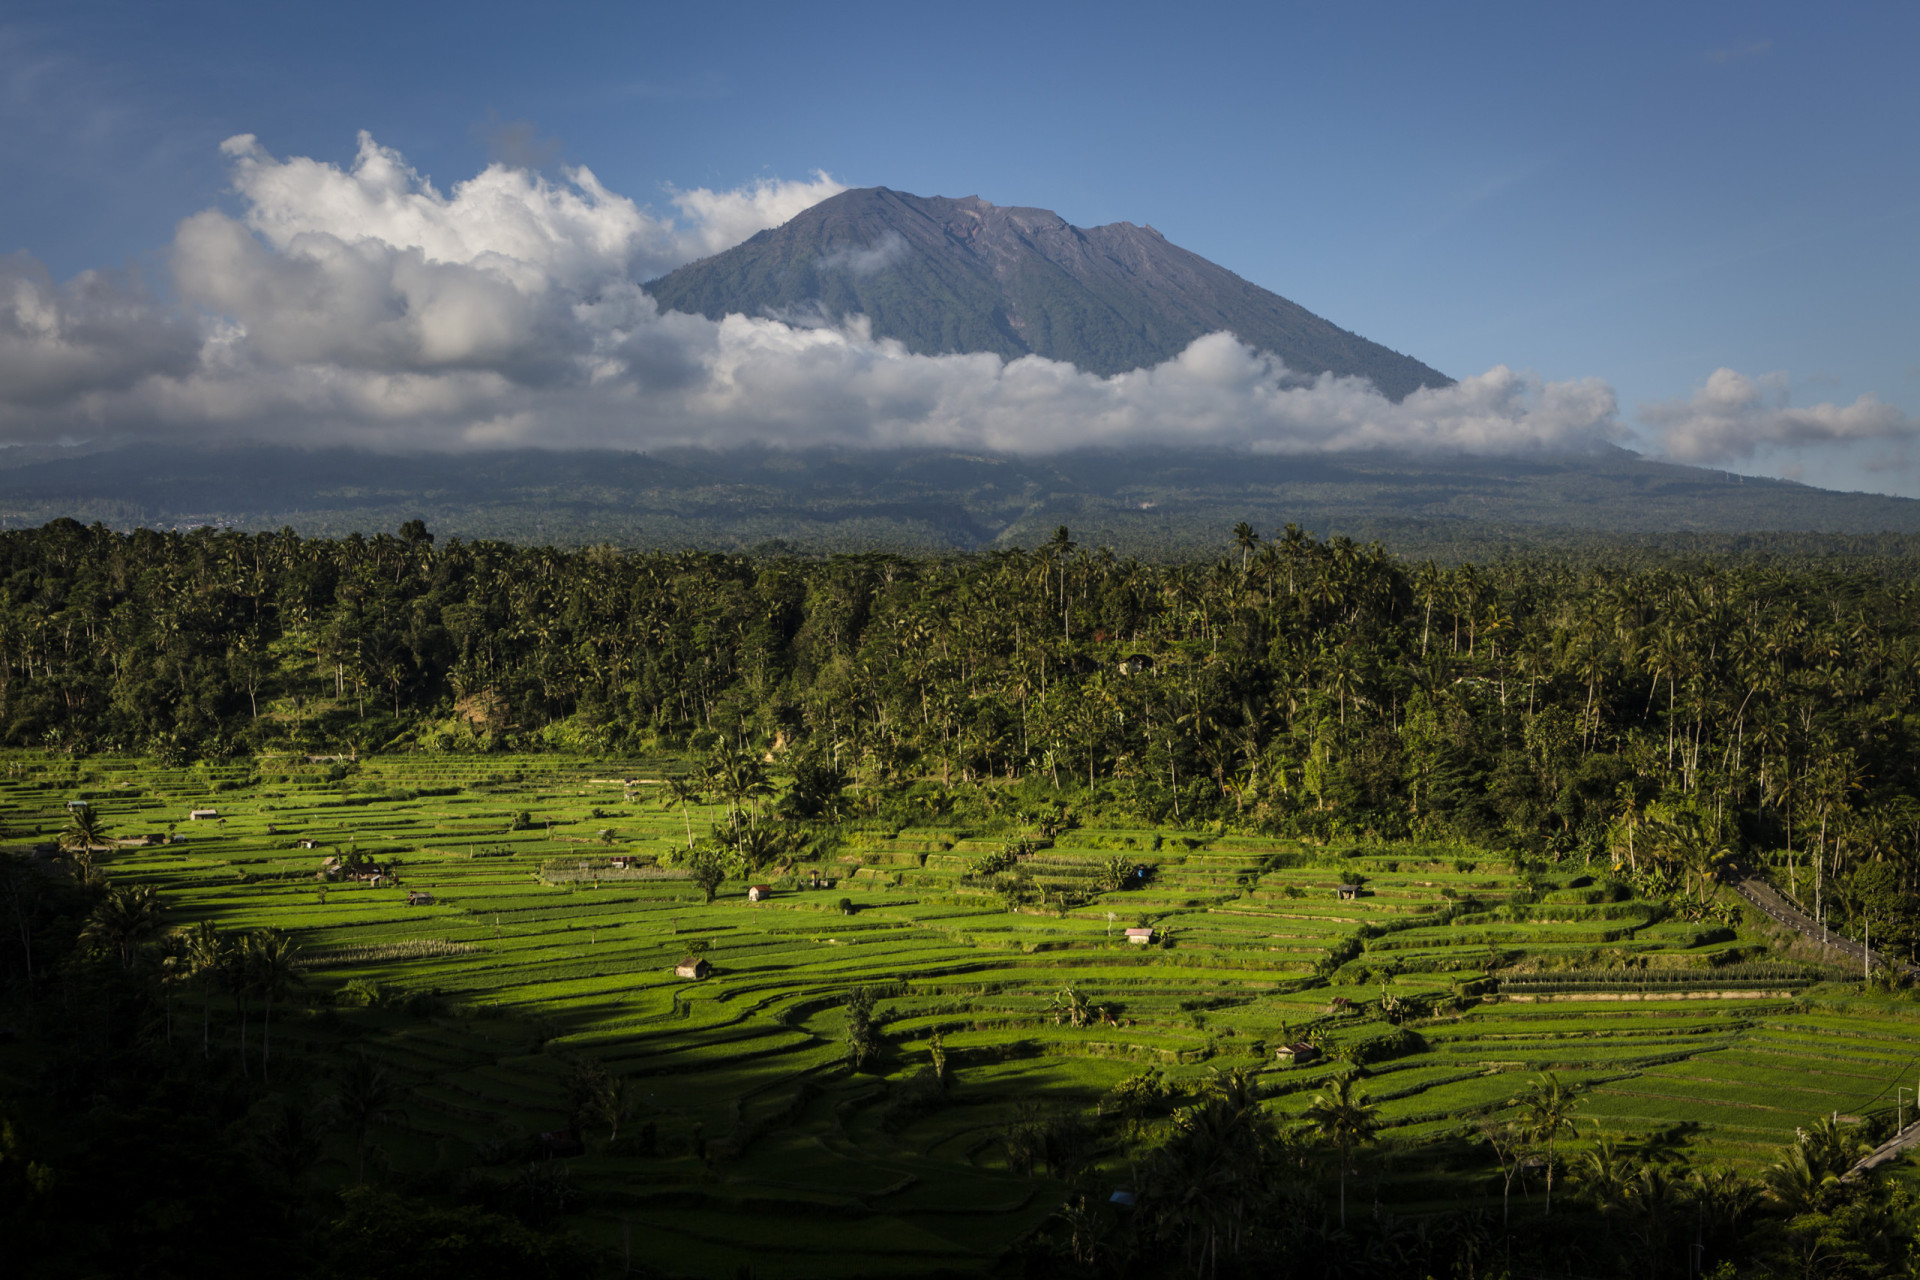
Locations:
{"points": [[1670, 721]]}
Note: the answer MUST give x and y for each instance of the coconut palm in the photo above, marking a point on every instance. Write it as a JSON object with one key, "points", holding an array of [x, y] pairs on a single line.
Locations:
{"points": [[365, 1095], [174, 968], [755, 844], [683, 792], [206, 960], [124, 919], [269, 959], [293, 1140], [1545, 1111], [1346, 1120], [1605, 1174], [85, 831]]}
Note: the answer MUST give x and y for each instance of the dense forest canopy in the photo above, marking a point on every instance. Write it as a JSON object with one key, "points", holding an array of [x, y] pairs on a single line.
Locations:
{"points": [[1672, 720]]}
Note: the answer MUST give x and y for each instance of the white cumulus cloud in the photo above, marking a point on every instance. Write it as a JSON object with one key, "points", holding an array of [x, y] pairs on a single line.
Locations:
{"points": [[1734, 416], [362, 305]]}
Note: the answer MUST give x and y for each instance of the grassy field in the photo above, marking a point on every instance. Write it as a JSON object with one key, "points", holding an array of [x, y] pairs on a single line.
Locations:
{"points": [[753, 1143]]}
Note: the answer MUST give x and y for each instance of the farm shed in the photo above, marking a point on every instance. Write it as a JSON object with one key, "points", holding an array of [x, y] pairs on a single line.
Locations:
{"points": [[1135, 664], [76, 805], [419, 898], [1298, 1054], [1139, 937], [692, 967], [309, 844], [759, 892], [1347, 892], [202, 815]]}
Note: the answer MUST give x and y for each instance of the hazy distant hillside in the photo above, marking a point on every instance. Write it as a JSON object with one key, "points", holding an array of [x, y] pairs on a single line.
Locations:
{"points": [[1155, 504], [946, 275]]}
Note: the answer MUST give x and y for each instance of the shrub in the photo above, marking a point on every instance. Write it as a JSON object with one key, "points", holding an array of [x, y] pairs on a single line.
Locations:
{"points": [[1397, 1043]]}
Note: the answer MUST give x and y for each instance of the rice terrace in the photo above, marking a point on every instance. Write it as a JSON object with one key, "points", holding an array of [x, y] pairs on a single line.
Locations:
{"points": [[1329, 918]]}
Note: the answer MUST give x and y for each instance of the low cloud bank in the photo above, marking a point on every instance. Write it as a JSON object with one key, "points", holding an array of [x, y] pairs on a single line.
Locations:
{"points": [[1733, 417], [360, 305]]}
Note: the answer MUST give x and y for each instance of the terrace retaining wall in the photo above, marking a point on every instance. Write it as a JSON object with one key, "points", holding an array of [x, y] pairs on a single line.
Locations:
{"points": [[1646, 995]]}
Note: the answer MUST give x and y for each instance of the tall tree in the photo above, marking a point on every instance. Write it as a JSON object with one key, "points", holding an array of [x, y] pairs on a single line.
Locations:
{"points": [[1344, 1119]]}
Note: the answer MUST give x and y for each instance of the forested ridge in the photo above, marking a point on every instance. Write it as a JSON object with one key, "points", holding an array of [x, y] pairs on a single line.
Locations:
{"points": [[1672, 720]]}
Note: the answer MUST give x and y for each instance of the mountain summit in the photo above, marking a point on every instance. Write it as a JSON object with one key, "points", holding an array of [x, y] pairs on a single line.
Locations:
{"points": [[943, 275]]}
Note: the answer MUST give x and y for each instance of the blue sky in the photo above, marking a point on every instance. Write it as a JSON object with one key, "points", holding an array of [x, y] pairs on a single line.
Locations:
{"points": [[1640, 194]]}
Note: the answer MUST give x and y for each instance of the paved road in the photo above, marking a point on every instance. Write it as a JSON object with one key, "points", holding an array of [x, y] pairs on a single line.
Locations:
{"points": [[1888, 1150], [1781, 909]]}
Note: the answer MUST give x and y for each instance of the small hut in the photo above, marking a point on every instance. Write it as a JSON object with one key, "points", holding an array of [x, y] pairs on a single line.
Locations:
{"points": [[1136, 664], [692, 967], [759, 892], [1346, 892], [309, 844], [419, 898], [1298, 1054], [1140, 937], [203, 815]]}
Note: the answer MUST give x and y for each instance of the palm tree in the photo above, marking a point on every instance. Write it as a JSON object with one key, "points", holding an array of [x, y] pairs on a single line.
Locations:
{"points": [[1546, 1110], [124, 919], [684, 791], [271, 972], [365, 1095], [1345, 1120], [84, 832], [756, 844], [1247, 541], [1795, 1183], [206, 956], [1604, 1174], [236, 975], [294, 1140], [175, 966]]}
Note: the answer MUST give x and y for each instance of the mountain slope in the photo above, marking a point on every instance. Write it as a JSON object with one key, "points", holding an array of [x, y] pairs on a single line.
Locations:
{"points": [[944, 275], [1155, 503]]}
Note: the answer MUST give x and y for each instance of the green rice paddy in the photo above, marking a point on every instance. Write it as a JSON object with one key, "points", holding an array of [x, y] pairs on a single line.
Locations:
{"points": [[754, 1142]]}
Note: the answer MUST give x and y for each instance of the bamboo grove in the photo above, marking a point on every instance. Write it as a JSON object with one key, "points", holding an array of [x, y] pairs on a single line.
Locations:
{"points": [[1669, 721]]}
